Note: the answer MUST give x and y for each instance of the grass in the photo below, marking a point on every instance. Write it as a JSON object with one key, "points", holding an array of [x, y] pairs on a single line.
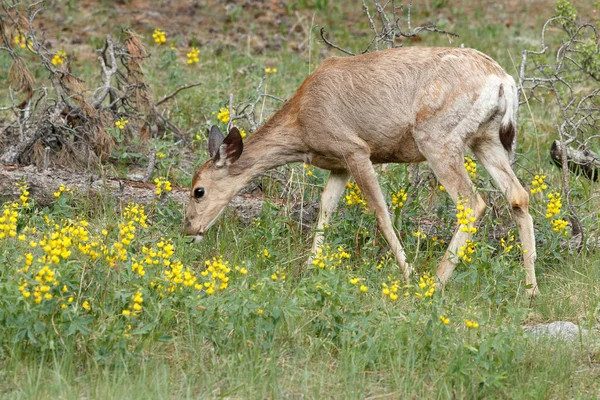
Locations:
{"points": [[313, 333]]}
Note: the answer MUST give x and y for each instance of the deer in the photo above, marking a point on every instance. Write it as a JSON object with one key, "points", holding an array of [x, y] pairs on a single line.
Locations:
{"points": [[401, 105]]}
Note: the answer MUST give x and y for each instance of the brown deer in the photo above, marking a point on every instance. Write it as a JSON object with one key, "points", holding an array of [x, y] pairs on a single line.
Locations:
{"points": [[402, 105]]}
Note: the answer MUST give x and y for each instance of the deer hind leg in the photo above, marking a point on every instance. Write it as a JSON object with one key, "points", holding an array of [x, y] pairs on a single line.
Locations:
{"points": [[329, 201], [451, 173], [494, 159], [364, 174]]}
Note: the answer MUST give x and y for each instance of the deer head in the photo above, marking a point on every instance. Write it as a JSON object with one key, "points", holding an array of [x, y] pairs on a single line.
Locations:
{"points": [[212, 188]]}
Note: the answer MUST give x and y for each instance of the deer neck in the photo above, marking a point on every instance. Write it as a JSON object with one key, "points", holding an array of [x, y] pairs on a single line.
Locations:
{"points": [[269, 147]]}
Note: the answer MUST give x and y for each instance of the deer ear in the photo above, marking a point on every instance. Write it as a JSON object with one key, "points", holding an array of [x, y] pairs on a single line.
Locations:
{"points": [[215, 138], [230, 149]]}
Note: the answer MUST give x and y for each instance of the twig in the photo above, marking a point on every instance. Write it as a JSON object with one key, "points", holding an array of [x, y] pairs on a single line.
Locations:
{"points": [[175, 92], [335, 46]]}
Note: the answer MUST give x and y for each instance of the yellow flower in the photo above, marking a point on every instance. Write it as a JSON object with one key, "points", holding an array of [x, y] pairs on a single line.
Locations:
{"points": [[471, 167], [466, 251], [442, 188], [59, 58], [309, 169], [160, 155], [560, 225], [192, 56], [354, 281], [223, 115], [162, 184], [269, 70], [554, 204], [444, 320], [398, 199], [355, 197], [86, 305], [121, 123], [363, 288], [243, 271], [471, 324], [465, 217], [159, 36], [538, 184], [126, 313]]}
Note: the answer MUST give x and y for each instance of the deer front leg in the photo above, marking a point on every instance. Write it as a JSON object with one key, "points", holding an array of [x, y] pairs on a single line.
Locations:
{"points": [[452, 175], [329, 201], [364, 174]]}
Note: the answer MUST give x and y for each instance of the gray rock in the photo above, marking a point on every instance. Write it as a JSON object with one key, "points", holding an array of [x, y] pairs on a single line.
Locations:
{"points": [[556, 330]]}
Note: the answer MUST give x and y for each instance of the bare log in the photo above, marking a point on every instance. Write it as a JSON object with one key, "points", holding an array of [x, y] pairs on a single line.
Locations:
{"points": [[581, 162], [43, 184]]}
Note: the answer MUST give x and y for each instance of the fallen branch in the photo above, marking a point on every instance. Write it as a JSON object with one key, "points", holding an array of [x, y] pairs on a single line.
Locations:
{"points": [[175, 92], [581, 162]]}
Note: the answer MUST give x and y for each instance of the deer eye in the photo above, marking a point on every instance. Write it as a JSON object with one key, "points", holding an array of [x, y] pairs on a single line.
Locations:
{"points": [[198, 193]]}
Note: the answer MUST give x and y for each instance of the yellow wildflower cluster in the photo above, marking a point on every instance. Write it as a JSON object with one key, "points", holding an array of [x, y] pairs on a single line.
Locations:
{"points": [[471, 167], [160, 155], [437, 241], [44, 278], [223, 115], [391, 290], [538, 184], [444, 320], [57, 246], [355, 196], [162, 185], [217, 272], [554, 205], [426, 286], [270, 70], [24, 197], [59, 58], [560, 225], [59, 243], [278, 275], [192, 56], [355, 281], [10, 213], [465, 217], [121, 123], [419, 235], [134, 217], [308, 169], [328, 259], [471, 324], [21, 41], [466, 250], [159, 36], [552, 209], [507, 245], [264, 254], [398, 199], [136, 305], [326, 289], [154, 256], [243, 133], [62, 189]]}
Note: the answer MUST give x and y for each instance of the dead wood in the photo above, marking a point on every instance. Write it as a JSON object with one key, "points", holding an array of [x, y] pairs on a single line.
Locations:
{"points": [[43, 184], [581, 162]]}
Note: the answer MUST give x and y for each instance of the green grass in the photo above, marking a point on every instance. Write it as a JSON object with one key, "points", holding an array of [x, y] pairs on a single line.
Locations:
{"points": [[313, 334]]}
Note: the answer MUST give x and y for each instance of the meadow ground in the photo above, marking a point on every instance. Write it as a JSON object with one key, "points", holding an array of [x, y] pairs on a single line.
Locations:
{"points": [[107, 300]]}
